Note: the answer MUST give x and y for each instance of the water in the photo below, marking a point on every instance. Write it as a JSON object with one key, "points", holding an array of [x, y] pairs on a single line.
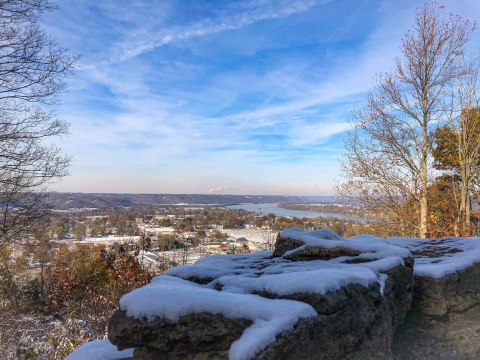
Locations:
{"points": [[271, 208]]}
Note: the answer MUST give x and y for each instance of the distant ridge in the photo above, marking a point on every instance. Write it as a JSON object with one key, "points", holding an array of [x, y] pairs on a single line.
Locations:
{"points": [[64, 201]]}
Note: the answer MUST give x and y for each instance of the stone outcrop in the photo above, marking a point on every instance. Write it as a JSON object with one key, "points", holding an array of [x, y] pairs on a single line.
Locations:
{"points": [[316, 296], [356, 319]]}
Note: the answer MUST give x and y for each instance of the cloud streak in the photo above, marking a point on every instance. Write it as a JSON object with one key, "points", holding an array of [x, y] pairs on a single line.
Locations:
{"points": [[257, 11]]}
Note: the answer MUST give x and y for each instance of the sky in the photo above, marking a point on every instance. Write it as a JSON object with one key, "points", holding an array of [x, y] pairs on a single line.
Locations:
{"points": [[227, 97]]}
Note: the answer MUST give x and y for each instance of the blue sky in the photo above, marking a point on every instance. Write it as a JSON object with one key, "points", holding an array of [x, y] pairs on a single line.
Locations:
{"points": [[237, 97]]}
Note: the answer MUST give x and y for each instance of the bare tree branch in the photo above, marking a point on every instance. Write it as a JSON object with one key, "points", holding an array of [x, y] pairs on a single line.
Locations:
{"points": [[33, 68]]}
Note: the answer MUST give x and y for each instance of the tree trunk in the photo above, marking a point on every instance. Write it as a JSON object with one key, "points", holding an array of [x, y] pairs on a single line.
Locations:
{"points": [[423, 216], [465, 202], [424, 170], [468, 221], [468, 208]]}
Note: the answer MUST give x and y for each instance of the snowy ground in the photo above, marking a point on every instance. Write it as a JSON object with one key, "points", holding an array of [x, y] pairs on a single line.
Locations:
{"points": [[99, 349], [105, 240]]}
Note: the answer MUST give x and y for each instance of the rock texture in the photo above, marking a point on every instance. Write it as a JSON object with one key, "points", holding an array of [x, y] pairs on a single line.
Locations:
{"points": [[354, 322], [356, 319], [444, 322], [202, 336]]}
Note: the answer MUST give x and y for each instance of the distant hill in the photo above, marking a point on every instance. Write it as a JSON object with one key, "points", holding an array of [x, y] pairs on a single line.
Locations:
{"points": [[103, 200]]}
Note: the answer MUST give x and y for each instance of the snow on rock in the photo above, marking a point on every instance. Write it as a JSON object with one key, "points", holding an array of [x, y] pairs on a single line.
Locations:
{"points": [[328, 277], [314, 286], [368, 247], [170, 297], [272, 291], [214, 266], [247, 273], [437, 258], [310, 236], [99, 350]]}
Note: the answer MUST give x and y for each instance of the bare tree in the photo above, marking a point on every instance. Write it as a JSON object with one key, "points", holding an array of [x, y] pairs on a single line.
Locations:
{"points": [[269, 238], [388, 158], [33, 68]]}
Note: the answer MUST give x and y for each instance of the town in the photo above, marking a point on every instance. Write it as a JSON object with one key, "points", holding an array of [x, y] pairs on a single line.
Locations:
{"points": [[169, 235]]}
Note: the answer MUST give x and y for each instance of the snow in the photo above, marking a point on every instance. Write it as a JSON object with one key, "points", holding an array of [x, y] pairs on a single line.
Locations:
{"points": [[310, 236], [259, 272], [171, 298], [433, 257], [99, 350], [321, 281], [109, 240], [215, 266], [437, 258], [255, 236], [370, 247]]}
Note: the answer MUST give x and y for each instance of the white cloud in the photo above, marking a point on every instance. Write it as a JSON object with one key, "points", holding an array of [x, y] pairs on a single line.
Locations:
{"points": [[219, 189], [317, 133]]}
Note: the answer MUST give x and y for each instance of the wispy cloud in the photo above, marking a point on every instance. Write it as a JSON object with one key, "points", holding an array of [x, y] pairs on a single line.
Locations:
{"points": [[253, 12]]}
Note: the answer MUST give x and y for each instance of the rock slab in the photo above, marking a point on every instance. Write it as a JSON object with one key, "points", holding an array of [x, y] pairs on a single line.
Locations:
{"points": [[316, 296], [350, 296]]}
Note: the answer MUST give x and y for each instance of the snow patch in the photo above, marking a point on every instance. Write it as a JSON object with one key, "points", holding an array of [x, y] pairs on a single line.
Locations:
{"points": [[317, 281], [437, 258], [99, 350]]}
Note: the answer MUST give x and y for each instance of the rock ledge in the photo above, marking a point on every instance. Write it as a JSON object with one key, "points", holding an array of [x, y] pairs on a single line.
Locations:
{"points": [[316, 296]]}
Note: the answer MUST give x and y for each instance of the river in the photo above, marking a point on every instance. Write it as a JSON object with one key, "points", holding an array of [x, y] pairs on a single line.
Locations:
{"points": [[272, 208]]}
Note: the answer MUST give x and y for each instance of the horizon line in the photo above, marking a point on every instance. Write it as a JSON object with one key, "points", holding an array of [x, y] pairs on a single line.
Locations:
{"points": [[168, 193]]}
